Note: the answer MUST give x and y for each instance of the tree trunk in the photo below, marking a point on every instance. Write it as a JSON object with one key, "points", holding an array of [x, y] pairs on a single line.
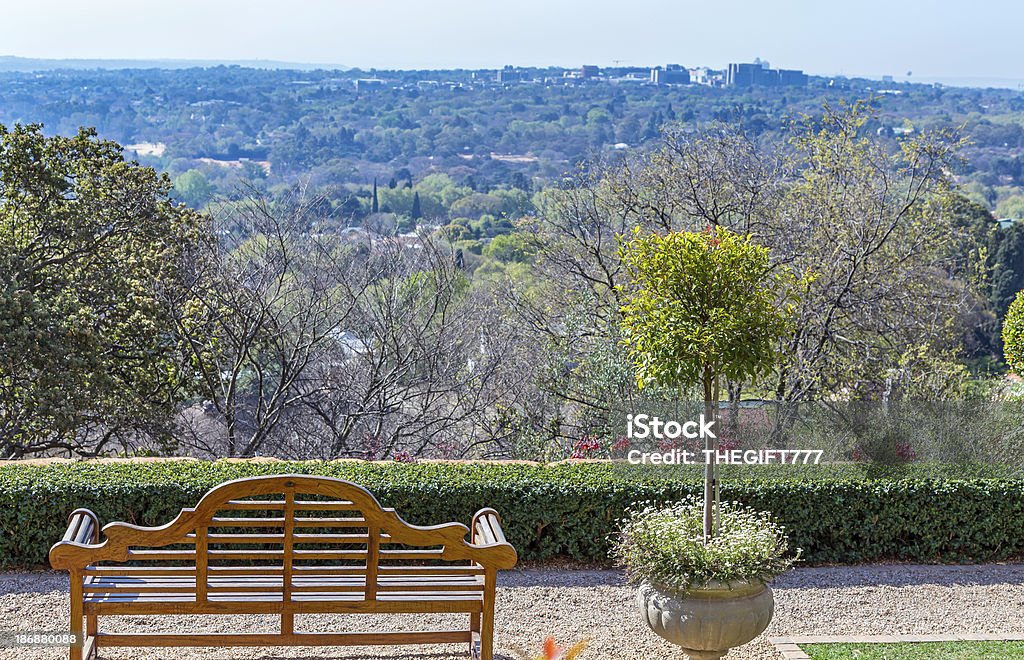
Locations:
{"points": [[710, 469]]}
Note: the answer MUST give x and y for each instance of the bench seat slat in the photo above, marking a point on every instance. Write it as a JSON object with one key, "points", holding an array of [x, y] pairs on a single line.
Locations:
{"points": [[277, 570], [307, 582], [293, 639], [117, 580], [355, 596], [302, 604]]}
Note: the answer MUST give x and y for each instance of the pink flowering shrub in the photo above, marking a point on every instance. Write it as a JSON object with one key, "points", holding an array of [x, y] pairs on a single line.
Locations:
{"points": [[404, 457], [586, 447]]}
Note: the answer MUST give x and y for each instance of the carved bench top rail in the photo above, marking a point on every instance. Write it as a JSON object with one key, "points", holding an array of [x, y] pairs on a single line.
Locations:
{"points": [[283, 525]]}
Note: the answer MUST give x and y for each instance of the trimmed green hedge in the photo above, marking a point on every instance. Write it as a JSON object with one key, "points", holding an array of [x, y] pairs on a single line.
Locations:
{"points": [[837, 514]]}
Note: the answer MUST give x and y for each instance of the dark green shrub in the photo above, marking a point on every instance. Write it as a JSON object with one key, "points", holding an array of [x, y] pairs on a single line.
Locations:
{"points": [[839, 513]]}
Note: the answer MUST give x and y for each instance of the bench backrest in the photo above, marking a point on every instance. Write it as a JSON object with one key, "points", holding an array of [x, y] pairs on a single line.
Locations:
{"points": [[287, 527]]}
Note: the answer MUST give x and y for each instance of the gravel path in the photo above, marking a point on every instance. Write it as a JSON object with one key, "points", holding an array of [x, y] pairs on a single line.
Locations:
{"points": [[573, 604]]}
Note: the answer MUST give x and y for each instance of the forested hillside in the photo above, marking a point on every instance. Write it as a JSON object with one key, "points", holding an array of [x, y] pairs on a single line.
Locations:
{"points": [[339, 130], [400, 264]]}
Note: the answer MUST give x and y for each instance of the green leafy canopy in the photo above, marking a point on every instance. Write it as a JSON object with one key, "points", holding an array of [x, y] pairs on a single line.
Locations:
{"points": [[1013, 335], [91, 248], [700, 305]]}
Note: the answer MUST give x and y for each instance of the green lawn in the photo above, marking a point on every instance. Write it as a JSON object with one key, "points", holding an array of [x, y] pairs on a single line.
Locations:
{"points": [[917, 651]]}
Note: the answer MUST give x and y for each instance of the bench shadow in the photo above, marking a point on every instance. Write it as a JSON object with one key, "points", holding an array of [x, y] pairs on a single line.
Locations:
{"points": [[33, 582], [867, 575], [534, 577]]}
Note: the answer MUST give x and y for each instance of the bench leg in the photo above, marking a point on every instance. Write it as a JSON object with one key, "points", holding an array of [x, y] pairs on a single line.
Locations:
{"points": [[487, 617], [91, 628], [76, 615], [474, 641]]}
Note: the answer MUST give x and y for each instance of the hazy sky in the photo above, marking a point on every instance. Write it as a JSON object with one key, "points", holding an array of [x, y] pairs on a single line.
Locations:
{"points": [[932, 38]]}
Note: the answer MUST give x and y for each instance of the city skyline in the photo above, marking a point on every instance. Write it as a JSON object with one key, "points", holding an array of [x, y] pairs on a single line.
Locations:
{"points": [[936, 41]]}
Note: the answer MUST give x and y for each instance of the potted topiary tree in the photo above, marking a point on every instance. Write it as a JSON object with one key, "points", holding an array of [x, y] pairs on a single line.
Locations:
{"points": [[702, 306], [704, 597]]}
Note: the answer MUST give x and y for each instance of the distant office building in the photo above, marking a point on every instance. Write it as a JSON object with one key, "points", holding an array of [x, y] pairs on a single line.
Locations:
{"points": [[590, 71], [757, 74], [747, 75], [508, 75], [365, 84], [673, 74], [792, 78]]}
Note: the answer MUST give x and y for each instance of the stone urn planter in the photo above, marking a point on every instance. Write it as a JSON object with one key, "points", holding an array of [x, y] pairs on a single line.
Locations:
{"points": [[706, 622], [705, 594]]}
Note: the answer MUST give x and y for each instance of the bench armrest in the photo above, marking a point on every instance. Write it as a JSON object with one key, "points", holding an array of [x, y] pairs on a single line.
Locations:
{"points": [[486, 528], [83, 528], [83, 533]]}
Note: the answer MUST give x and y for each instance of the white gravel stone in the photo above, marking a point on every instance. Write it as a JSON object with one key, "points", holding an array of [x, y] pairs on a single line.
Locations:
{"points": [[572, 604]]}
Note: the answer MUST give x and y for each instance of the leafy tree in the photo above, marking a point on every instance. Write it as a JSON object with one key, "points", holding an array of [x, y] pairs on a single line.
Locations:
{"points": [[404, 176], [91, 248], [520, 181], [510, 248], [873, 226], [868, 221], [515, 202], [700, 306], [394, 200], [598, 117], [477, 205], [1011, 207], [456, 232], [1013, 335], [1008, 267], [192, 188], [979, 248]]}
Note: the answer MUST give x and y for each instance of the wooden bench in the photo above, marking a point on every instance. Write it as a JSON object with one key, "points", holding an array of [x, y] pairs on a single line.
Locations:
{"points": [[283, 545]]}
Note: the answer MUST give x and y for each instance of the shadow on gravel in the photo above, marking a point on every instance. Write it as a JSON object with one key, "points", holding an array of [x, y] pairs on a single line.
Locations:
{"points": [[560, 577], [32, 582], [866, 575], [901, 575]]}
